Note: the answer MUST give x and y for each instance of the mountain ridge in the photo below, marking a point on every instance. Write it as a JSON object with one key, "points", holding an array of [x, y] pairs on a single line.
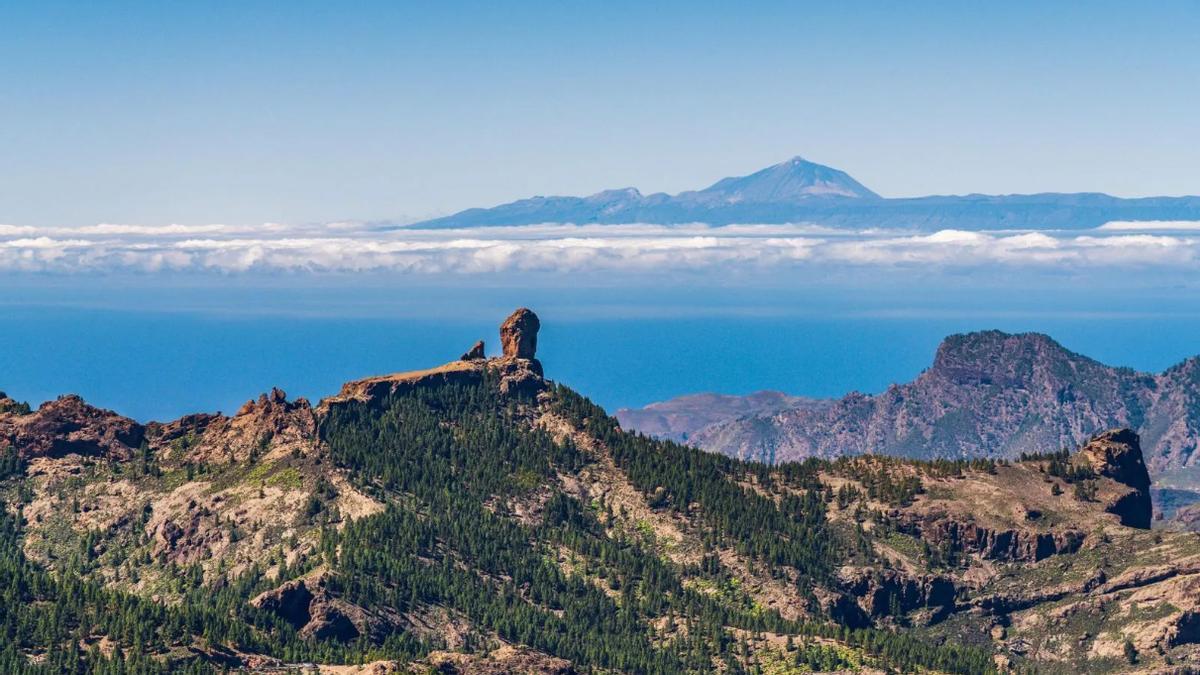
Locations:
{"points": [[797, 190], [987, 393]]}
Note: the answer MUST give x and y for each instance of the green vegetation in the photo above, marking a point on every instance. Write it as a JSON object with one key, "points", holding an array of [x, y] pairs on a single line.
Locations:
{"points": [[568, 578], [52, 615]]}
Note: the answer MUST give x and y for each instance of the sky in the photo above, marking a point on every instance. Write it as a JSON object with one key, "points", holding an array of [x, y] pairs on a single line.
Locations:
{"points": [[192, 194], [244, 113]]}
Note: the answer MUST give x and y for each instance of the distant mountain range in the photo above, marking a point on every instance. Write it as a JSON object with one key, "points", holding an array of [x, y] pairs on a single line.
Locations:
{"points": [[988, 394], [798, 191]]}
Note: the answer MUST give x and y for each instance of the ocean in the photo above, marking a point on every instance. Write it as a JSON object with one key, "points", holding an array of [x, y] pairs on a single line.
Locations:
{"points": [[154, 364]]}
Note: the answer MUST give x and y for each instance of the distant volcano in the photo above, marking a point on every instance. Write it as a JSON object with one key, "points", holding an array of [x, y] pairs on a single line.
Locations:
{"points": [[797, 178], [800, 191]]}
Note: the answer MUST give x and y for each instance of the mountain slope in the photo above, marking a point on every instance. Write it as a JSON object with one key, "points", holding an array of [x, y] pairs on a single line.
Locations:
{"points": [[676, 419], [987, 394], [797, 191], [478, 518]]}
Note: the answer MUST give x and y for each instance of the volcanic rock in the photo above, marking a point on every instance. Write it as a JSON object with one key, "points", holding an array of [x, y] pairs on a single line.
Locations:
{"points": [[1117, 454], [474, 354], [69, 425], [881, 592], [518, 334], [987, 394], [310, 606]]}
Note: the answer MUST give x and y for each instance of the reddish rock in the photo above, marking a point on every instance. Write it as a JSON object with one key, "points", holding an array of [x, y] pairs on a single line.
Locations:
{"points": [[69, 425], [518, 334], [474, 354], [274, 414]]}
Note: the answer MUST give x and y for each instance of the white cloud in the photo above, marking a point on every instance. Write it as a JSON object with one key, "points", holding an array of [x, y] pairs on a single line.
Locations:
{"points": [[354, 247], [1155, 225]]}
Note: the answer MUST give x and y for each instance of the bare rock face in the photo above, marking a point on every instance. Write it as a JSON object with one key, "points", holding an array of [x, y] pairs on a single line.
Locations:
{"points": [[261, 425], [69, 425], [882, 592], [1007, 545], [518, 334], [520, 371], [474, 354], [987, 394], [309, 606], [517, 371], [1117, 454]]}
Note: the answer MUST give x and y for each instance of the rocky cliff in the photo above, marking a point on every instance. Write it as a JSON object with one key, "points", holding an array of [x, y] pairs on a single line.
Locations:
{"points": [[1117, 454], [987, 394]]}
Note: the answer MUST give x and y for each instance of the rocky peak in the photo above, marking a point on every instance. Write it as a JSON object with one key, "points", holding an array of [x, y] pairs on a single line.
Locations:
{"points": [[273, 402], [1117, 454], [518, 371], [518, 334], [995, 357], [475, 353], [70, 425]]}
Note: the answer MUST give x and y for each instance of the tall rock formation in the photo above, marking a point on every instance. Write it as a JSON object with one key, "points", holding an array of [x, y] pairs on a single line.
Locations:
{"points": [[518, 334], [1117, 454]]}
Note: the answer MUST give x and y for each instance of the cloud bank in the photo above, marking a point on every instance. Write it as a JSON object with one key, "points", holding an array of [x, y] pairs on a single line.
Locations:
{"points": [[355, 247]]}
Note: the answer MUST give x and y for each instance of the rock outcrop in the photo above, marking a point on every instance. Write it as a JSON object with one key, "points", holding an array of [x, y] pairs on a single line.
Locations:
{"points": [[1117, 454], [70, 425], [311, 607], [503, 661], [518, 371], [1002, 545], [271, 420], [518, 334], [888, 592], [475, 353]]}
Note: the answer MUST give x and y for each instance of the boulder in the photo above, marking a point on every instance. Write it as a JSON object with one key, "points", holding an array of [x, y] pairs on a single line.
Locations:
{"points": [[518, 334]]}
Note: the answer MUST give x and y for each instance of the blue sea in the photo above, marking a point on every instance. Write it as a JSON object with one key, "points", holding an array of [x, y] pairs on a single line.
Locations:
{"points": [[156, 363]]}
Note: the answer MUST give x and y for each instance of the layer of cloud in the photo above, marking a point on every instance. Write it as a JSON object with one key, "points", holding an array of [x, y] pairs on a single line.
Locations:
{"points": [[1151, 225], [355, 247]]}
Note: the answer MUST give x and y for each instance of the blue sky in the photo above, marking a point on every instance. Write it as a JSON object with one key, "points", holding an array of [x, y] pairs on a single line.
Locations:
{"points": [[301, 112]]}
